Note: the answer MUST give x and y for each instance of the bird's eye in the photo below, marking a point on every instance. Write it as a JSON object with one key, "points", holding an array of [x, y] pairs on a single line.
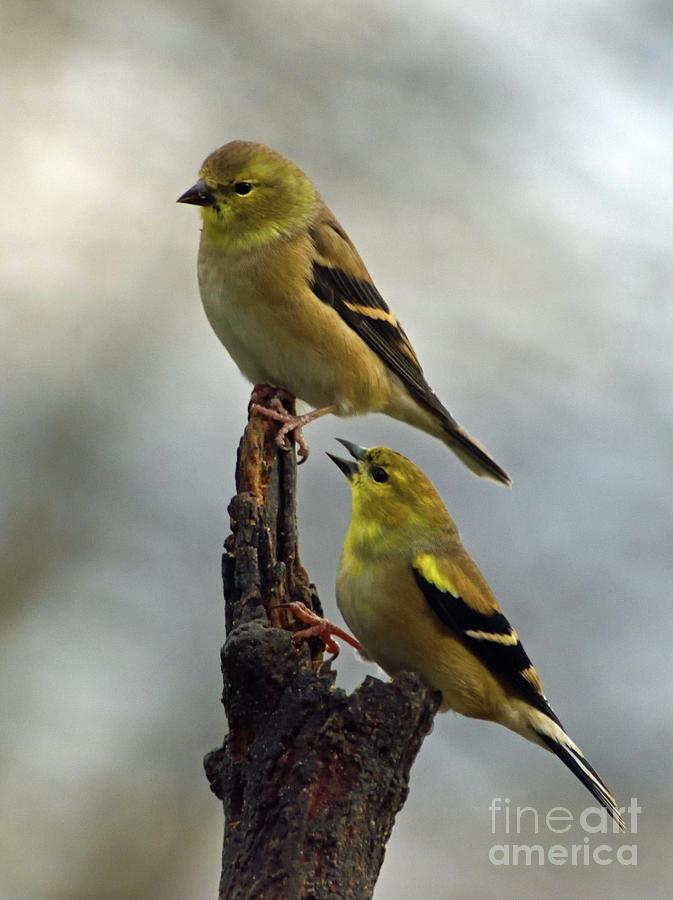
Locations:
{"points": [[242, 188], [379, 474]]}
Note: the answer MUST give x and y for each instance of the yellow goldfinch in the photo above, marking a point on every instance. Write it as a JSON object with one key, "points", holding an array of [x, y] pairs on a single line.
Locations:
{"points": [[289, 297], [414, 598]]}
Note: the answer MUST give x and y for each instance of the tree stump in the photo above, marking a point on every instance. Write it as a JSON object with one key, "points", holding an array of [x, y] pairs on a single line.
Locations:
{"points": [[310, 777]]}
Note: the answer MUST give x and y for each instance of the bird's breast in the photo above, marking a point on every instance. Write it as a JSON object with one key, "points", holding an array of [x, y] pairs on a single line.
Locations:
{"points": [[277, 331], [382, 610]]}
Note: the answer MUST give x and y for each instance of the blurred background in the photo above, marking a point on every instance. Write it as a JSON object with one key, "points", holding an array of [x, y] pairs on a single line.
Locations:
{"points": [[506, 171]]}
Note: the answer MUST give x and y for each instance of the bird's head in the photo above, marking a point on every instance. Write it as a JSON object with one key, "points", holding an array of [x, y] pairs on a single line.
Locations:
{"points": [[392, 497], [250, 195]]}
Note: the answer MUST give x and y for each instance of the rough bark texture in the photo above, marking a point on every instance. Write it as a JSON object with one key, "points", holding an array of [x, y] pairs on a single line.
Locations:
{"points": [[310, 777]]}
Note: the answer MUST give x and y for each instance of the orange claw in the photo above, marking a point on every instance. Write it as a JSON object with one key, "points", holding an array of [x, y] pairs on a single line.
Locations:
{"points": [[320, 628], [290, 423]]}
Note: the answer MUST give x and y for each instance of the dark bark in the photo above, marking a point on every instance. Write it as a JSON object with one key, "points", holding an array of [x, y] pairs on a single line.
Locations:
{"points": [[310, 777]]}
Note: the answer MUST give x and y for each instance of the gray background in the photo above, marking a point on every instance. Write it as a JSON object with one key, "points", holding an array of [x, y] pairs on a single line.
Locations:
{"points": [[506, 171]]}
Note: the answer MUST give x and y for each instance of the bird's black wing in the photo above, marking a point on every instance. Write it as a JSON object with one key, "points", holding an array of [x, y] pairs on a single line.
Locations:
{"points": [[487, 634], [363, 309]]}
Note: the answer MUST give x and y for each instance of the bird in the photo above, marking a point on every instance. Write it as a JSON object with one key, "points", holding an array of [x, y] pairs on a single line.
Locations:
{"points": [[289, 297], [415, 601]]}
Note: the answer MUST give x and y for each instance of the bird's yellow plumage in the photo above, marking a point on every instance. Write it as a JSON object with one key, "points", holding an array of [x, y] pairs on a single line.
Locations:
{"points": [[288, 295], [415, 599]]}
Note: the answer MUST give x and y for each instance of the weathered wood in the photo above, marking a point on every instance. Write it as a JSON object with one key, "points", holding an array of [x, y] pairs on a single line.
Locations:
{"points": [[310, 777]]}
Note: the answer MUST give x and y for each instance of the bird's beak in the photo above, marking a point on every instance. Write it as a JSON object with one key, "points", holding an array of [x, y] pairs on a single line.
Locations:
{"points": [[350, 469], [355, 451], [198, 194], [347, 467]]}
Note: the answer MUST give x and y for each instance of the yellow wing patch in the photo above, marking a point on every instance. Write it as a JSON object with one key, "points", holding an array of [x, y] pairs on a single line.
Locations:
{"points": [[533, 679], [371, 312], [511, 638], [458, 575], [427, 565]]}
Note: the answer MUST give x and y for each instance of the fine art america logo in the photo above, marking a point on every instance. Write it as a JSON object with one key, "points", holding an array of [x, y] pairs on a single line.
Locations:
{"points": [[588, 850]]}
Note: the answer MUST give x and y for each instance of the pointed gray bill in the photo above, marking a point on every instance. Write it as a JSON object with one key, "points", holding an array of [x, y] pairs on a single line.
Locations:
{"points": [[198, 194], [355, 451], [347, 467]]}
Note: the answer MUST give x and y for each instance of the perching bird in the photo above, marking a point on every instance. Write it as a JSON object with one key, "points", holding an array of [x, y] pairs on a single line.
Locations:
{"points": [[289, 297], [414, 598]]}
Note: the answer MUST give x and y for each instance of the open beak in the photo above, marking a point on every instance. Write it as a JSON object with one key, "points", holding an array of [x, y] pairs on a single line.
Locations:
{"points": [[356, 452], [347, 467], [198, 194]]}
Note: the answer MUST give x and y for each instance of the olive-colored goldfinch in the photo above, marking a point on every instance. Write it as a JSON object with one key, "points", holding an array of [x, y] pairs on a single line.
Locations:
{"points": [[414, 598], [289, 297]]}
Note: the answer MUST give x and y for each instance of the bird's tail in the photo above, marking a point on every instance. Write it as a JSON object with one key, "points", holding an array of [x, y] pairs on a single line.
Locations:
{"points": [[471, 452], [554, 738], [423, 409]]}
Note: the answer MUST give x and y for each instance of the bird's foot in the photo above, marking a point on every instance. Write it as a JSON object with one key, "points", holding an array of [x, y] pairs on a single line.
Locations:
{"points": [[320, 628], [261, 393], [291, 424]]}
